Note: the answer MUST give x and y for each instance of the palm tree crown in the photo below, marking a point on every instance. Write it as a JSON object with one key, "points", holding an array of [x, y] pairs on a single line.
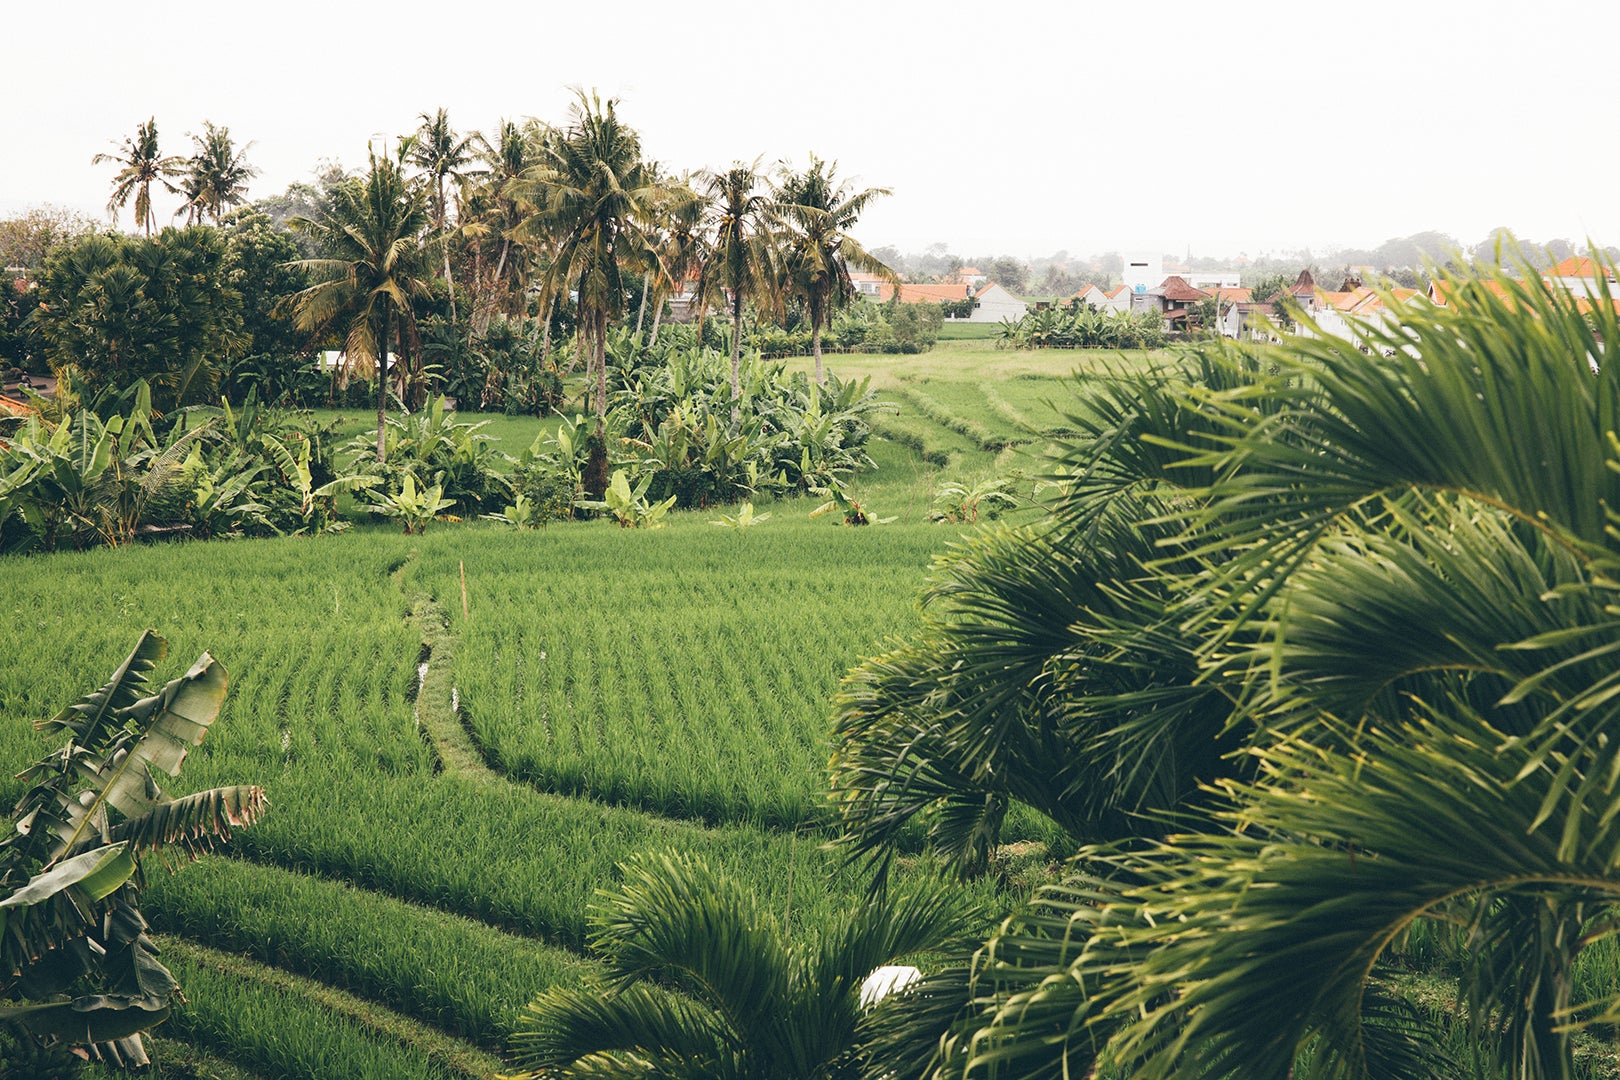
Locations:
{"points": [[216, 174], [375, 241], [141, 165], [819, 211], [701, 982], [1321, 639], [742, 256]]}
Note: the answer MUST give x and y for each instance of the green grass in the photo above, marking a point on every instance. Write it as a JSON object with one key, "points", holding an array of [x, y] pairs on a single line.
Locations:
{"points": [[967, 331]]}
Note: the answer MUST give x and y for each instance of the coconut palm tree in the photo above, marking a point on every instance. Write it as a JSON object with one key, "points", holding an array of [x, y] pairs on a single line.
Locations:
{"points": [[818, 251], [216, 176], [592, 196], [742, 258], [491, 210], [701, 982], [441, 156], [1379, 574], [680, 244], [141, 165], [377, 244]]}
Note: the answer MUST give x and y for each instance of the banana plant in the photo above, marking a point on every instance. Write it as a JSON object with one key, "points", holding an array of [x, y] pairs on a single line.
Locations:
{"points": [[412, 507], [315, 508], [744, 518], [629, 506], [522, 514], [76, 966]]}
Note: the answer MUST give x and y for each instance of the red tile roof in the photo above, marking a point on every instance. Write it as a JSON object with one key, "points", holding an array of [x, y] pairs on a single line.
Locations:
{"points": [[1176, 288]]}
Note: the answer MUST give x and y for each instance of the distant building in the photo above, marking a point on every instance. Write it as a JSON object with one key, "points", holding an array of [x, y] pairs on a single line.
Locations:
{"points": [[1142, 271], [995, 304]]}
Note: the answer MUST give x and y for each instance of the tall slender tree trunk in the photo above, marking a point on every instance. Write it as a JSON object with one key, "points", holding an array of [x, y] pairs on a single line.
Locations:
{"points": [[601, 370], [641, 310], [736, 357], [818, 315], [444, 216], [815, 349], [545, 333], [594, 477], [449, 283], [658, 318], [382, 381]]}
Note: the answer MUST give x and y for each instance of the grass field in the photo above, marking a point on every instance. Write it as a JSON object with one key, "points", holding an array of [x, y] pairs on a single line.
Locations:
{"points": [[435, 839]]}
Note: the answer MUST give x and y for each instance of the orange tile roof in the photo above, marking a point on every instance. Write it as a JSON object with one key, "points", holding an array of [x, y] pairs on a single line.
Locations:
{"points": [[923, 294], [1115, 291], [1578, 266], [1234, 296], [969, 271], [1440, 290]]}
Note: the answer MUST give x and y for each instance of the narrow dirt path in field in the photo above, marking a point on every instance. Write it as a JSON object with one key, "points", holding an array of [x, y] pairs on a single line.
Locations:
{"points": [[437, 711]]}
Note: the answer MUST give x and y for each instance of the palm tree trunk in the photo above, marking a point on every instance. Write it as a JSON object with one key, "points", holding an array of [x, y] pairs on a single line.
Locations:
{"points": [[594, 478], [545, 333], [736, 357], [815, 349], [601, 369], [658, 318], [382, 382], [641, 310], [449, 283]]}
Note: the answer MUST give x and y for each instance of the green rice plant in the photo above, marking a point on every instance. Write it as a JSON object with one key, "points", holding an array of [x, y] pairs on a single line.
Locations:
{"points": [[708, 701], [455, 973], [929, 406], [282, 1026]]}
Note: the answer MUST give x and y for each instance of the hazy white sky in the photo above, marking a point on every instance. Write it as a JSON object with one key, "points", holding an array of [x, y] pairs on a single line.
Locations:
{"points": [[1019, 127]]}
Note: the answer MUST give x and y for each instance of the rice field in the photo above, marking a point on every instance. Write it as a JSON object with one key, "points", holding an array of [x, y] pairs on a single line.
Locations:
{"points": [[624, 691]]}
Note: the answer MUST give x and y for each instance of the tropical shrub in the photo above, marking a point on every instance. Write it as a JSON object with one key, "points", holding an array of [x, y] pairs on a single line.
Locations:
{"points": [[413, 508], [432, 444], [629, 505], [698, 975], [674, 412], [1315, 650], [959, 503], [1081, 326], [117, 309], [76, 966]]}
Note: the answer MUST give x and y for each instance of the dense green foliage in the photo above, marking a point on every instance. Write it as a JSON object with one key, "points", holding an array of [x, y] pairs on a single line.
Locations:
{"points": [[1315, 653], [114, 309], [1081, 326]]}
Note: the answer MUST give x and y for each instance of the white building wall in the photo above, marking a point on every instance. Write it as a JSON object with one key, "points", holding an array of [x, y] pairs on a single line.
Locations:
{"points": [[1143, 271], [996, 304]]}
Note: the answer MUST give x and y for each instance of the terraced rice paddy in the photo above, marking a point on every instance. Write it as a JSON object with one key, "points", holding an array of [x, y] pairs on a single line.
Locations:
{"points": [[428, 861]]}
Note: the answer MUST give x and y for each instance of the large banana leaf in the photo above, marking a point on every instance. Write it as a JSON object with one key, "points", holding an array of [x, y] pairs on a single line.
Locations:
{"points": [[161, 731]]}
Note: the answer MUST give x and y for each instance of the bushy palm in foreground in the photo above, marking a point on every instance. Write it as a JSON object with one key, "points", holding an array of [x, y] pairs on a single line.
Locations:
{"points": [[1325, 653], [702, 983]]}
